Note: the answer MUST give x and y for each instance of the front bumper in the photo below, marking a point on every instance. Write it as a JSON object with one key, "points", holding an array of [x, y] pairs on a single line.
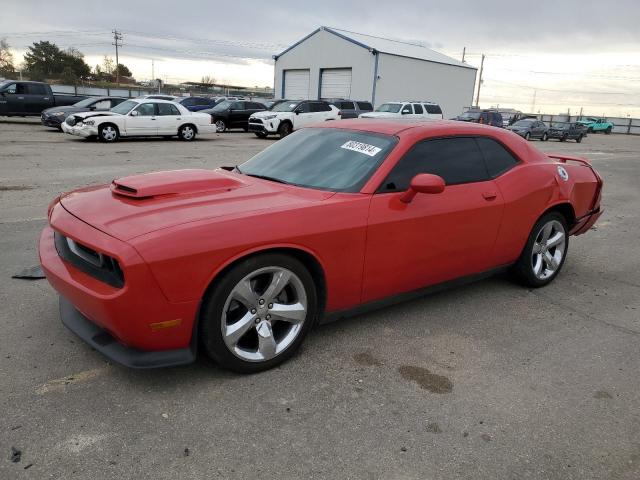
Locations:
{"points": [[107, 345], [137, 325], [80, 130], [51, 121], [263, 126]]}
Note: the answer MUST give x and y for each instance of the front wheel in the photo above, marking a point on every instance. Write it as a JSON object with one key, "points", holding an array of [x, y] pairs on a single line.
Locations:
{"points": [[221, 126], [285, 129], [187, 133], [545, 252], [108, 133], [608, 131], [527, 136], [545, 137], [563, 138], [579, 139], [258, 314]]}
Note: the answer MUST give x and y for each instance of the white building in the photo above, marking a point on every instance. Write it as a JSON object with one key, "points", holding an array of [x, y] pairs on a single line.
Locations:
{"points": [[332, 63]]}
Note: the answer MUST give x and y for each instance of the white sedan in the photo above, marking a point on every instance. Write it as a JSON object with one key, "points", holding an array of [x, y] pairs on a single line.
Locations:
{"points": [[140, 117]]}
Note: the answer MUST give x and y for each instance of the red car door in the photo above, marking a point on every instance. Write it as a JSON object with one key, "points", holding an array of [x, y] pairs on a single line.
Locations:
{"points": [[435, 237]]}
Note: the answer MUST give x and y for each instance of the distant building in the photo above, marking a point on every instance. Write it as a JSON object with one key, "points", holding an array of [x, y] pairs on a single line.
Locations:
{"points": [[330, 63]]}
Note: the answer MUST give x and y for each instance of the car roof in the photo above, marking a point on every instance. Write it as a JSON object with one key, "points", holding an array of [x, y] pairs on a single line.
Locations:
{"points": [[393, 126]]}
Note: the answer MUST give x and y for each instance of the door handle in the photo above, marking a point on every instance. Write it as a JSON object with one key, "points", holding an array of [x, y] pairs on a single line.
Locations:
{"points": [[489, 195], [178, 118], [20, 98]]}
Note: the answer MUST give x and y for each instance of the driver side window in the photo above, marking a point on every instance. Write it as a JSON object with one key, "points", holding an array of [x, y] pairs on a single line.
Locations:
{"points": [[146, 110], [11, 88], [456, 160], [303, 107], [407, 109]]}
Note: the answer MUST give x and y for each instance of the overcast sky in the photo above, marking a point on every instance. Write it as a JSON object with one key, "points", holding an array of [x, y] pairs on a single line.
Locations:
{"points": [[565, 53]]}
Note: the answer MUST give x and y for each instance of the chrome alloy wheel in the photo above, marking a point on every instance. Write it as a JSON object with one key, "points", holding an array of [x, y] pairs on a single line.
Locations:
{"points": [[548, 249], [109, 133], [220, 126], [264, 313], [187, 132]]}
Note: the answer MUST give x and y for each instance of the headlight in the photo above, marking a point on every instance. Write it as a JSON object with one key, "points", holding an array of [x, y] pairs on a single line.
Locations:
{"points": [[269, 117], [59, 114], [89, 122]]}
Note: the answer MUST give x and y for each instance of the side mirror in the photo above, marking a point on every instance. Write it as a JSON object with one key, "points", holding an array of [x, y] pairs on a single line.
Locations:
{"points": [[423, 183], [405, 112], [134, 113], [297, 112], [92, 108]]}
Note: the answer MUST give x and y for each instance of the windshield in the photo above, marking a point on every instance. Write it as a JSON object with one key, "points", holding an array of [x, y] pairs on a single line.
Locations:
{"points": [[322, 158], [559, 125], [470, 116], [85, 103], [389, 107], [285, 107], [124, 107], [222, 105], [523, 123]]}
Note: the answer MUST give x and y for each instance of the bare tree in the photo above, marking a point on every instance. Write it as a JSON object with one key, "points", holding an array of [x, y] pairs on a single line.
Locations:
{"points": [[6, 58], [208, 80], [108, 65]]}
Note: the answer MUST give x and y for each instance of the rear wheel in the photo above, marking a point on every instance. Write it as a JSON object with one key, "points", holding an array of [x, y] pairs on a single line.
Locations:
{"points": [[608, 130], [258, 314], [579, 139], [187, 133], [527, 136], [545, 137], [545, 252], [285, 129], [563, 138], [108, 133]]}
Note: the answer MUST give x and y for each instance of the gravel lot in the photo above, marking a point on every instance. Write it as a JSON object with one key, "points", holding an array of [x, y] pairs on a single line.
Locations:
{"points": [[487, 381]]}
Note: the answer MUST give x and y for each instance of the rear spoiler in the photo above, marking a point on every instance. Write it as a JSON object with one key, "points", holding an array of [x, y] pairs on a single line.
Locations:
{"points": [[595, 204], [569, 158]]}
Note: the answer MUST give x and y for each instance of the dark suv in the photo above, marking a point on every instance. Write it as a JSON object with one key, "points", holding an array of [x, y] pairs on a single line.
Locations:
{"points": [[486, 117], [565, 131], [350, 108], [233, 114]]}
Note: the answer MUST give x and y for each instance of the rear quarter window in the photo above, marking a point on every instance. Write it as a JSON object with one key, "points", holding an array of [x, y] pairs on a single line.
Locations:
{"points": [[497, 158], [434, 109], [365, 106]]}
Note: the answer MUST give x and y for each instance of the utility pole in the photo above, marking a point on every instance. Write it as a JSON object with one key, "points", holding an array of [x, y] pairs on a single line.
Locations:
{"points": [[464, 50], [117, 41], [480, 81], [153, 71]]}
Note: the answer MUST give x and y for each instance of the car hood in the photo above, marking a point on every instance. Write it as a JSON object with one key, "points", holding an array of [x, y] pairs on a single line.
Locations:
{"points": [[140, 204], [267, 113], [378, 115], [87, 114], [68, 110]]}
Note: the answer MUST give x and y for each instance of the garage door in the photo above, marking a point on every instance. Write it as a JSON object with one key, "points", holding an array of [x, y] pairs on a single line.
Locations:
{"points": [[335, 83], [296, 84]]}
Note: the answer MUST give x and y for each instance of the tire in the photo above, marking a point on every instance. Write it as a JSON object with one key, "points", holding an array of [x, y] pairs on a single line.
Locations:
{"points": [[608, 131], [544, 137], [545, 251], [285, 129], [187, 133], [221, 125], [527, 136], [108, 133], [563, 138], [579, 139], [260, 134], [229, 307]]}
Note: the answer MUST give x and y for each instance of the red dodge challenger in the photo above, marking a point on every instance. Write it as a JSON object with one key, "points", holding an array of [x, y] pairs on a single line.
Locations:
{"points": [[332, 220]]}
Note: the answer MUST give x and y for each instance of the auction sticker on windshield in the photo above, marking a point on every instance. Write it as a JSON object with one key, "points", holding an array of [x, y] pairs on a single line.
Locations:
{"points": [[365, 148]]}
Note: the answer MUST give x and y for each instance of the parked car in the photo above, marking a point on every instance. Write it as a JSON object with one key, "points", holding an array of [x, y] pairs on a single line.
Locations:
{"points": [[332, 220], [530, 128], [486, 117], [233, 114], [351, 108], [18, 98], [567, 131], [157, 96], [140, 117], [286, 117], [272, 103], [406, 110], [196, 104], [594, 125], [516, 117], [55, 116]]}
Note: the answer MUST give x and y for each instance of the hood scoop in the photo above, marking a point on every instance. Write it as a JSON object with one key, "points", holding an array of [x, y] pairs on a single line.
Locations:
{"points": [[175, 182]]}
